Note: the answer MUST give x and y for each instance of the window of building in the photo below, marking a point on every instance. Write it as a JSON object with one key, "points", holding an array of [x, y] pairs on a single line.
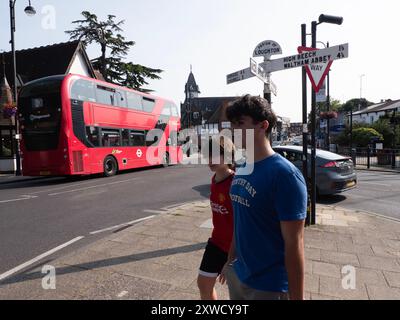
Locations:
{"points": [[6, 143], [110, 138]]}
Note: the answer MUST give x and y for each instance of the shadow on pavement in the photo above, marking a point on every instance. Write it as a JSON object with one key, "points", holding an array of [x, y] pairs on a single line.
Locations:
{"points": [[60, 180], [331, 199], [105, 263], [203, 190]]}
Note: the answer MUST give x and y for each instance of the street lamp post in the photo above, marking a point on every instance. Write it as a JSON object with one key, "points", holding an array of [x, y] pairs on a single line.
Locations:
{"points": [[30, 11], [322, 19], [351, 119]]}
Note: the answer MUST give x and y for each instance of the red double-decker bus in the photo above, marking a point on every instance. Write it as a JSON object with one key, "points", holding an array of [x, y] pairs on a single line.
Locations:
{"points": [[74, 125]]}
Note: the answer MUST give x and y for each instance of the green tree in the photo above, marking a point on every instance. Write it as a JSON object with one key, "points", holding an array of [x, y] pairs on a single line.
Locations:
{"points": [[364, 136], [355, 104], [114, 49]]}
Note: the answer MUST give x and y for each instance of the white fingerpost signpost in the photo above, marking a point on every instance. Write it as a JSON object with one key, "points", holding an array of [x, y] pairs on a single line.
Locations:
{"points": [[264, 49]]}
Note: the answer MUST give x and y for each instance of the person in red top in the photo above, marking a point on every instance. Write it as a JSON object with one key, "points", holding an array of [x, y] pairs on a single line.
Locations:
{"points": [[216, 252]]}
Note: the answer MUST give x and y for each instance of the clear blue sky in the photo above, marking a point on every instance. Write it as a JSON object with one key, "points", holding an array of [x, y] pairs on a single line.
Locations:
{"points": [[218, 36]]}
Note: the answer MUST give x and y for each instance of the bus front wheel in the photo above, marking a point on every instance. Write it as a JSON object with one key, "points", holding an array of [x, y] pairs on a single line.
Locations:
{"points": [[110, 166]]}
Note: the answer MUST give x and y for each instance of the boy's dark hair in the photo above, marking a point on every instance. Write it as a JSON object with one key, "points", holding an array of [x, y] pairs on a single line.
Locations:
{"points": [[255, 107]]}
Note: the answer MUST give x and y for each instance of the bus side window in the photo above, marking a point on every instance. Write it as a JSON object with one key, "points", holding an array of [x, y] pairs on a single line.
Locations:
{"points": [[83, 90], [166, 110], [92, 134], [105, 95], [110, 138], [148, 104], [125, 137], [134, 101], [120, 99], [137, 138]]}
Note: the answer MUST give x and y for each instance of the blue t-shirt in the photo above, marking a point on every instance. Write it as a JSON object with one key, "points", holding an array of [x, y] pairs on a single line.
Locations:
{"points": [[275, 191]]}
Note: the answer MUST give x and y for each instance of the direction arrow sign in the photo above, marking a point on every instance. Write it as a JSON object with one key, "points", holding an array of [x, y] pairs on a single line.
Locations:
{"points": [[311, 57], [239, 75], [317, 71]]}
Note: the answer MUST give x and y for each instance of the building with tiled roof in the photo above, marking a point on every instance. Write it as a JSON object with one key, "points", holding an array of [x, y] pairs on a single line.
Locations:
{"points": [[374, 112]]}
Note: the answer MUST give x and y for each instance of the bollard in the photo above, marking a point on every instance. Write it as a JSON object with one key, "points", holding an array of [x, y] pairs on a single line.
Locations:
{"points": [[368, 158], [353, 156], [393, 159]]}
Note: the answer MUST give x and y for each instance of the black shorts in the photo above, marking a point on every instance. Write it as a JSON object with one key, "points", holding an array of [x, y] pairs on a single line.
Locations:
{"points": [[213, 261]]}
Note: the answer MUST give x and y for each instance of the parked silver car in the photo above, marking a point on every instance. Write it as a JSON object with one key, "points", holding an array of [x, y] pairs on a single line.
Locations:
{"points": [[334, 173]]}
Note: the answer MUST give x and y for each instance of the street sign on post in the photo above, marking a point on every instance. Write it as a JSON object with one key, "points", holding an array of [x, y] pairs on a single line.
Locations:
{"points": [[266, 49], [239, 75], [321, 94], [316, 71], [306, 58]]}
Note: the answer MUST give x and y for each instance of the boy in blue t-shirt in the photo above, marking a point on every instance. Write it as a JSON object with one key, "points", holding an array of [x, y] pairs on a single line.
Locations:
{"points": [[270, 205]]}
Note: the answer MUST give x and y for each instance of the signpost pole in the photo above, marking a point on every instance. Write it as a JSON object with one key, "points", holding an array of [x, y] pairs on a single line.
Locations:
{"points": [[313, 142], [328, 107], [305, 126]]}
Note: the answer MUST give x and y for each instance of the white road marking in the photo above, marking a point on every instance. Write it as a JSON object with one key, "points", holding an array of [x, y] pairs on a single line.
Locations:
{"points": [[173, 206], [154, 211], [91, 187], [121, 225], [38, 258], [64, 187], [19, 199], [122, 294]]}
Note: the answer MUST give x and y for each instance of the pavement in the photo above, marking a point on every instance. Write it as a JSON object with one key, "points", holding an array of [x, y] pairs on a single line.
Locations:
{"points": [[158, 259], [378, 168]]}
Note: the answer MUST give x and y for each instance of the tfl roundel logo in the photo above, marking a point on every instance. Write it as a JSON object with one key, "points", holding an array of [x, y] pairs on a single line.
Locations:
{"points": [[139, 153]]}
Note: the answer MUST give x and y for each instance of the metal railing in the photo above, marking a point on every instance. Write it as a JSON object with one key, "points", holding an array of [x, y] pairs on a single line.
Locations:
{"points": [[370, 158]]}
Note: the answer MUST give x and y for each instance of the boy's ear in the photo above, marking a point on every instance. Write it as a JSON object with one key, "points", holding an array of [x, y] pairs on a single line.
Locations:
{"points": [[265, 125]]}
